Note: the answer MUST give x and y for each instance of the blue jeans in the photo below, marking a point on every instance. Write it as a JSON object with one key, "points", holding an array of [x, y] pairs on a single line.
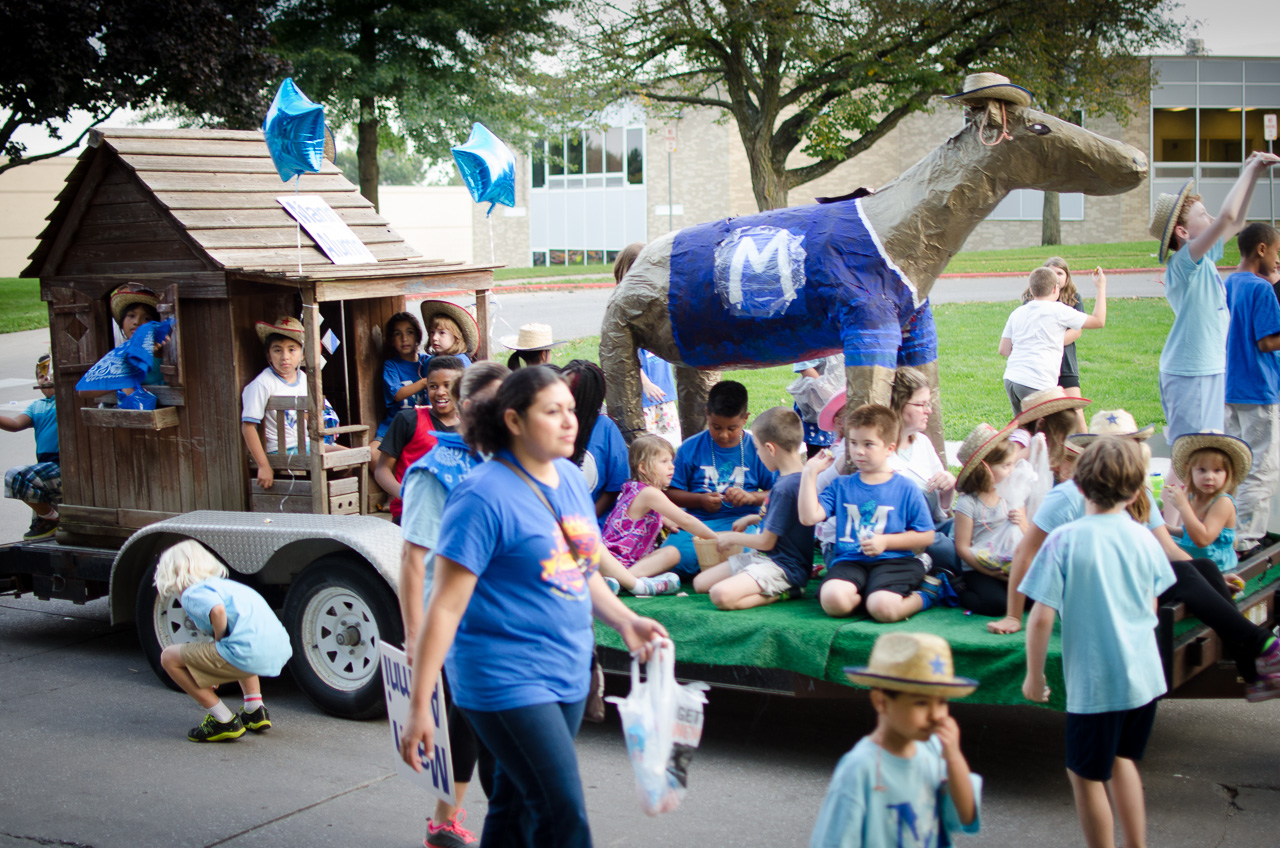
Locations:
{"points": [[537, 795]]}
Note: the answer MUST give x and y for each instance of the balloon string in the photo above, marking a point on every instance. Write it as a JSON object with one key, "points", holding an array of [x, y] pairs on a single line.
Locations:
{"points": [[492, 256], [297, 225]]}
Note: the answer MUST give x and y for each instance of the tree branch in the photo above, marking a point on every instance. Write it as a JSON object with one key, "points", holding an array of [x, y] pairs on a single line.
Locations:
{"points": [[27, 160]]}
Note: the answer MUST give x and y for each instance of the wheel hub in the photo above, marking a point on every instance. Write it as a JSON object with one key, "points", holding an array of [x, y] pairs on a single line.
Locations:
{"points": [[341, 637]]}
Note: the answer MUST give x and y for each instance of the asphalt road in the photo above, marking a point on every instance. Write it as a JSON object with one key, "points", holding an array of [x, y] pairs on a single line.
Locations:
{"points": [[95, 755]]}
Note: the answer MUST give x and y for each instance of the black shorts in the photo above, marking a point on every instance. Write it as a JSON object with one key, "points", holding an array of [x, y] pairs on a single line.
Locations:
{"points": [[1069, 381], [901, 575], [1094, 740]]}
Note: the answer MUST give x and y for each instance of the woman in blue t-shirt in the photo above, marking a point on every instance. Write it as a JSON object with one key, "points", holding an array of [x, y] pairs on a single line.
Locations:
{"points": [[510, 611]]}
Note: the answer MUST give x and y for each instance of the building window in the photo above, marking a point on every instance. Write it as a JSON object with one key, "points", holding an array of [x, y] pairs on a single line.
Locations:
{"points": [[635, 156], [539, 258], [538, 165]]}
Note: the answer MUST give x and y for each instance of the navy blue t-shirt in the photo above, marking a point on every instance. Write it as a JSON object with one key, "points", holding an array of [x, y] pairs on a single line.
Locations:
{"points": [[793, 552], [526, 637]]}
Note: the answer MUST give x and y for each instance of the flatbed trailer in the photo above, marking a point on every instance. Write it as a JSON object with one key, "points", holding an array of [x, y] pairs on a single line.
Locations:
{"points": [[793, 649]]}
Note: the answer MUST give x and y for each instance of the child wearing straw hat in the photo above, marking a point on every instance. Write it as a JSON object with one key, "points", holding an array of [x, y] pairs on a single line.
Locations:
{"points": [[1102, 574], [1193, 364], [907, 783], [1212, 464], [987, 529], [531, 345]]}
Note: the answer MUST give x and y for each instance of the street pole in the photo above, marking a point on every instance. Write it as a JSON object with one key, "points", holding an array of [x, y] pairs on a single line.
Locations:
{"points": [[671, 225], [1272, 172]]}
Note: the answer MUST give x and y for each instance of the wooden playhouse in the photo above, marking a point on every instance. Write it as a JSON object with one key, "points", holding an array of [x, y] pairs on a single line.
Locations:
{"points": [[193, 215]]}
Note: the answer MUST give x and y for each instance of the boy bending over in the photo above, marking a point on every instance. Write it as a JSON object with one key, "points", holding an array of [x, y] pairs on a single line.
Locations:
{"points": [[882, 519], [779, 559], [908, 783], [1102, 575]]}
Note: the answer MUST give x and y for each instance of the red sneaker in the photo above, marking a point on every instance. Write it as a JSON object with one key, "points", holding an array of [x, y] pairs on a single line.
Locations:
{"points": [[450, 834]]}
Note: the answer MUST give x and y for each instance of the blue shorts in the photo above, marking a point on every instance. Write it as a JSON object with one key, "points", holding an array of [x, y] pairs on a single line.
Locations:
{"points": [[1192, 404], [688, 567], [1094, 740]]}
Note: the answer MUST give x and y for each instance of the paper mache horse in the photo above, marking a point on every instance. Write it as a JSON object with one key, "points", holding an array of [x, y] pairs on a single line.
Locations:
{"points": [[851, 274]]}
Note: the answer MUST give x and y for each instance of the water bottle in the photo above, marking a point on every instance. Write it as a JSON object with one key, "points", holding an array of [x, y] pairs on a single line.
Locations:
{"points": [[1157, 486]]}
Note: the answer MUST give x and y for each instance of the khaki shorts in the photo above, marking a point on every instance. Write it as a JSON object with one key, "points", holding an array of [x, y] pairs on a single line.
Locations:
{"points": [[770, 577], [208, 667]]}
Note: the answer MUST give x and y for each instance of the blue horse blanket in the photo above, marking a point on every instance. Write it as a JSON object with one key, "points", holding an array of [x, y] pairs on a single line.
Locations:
{"points": [[790, 285]]}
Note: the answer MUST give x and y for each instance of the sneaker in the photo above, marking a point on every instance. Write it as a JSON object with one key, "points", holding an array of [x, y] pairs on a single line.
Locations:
{"points": [[212, 730], [795, 593], [662, 584], [614, 586], [449, 835], [1268, 662], [1266, 687], [41, 528], [257, 721]]}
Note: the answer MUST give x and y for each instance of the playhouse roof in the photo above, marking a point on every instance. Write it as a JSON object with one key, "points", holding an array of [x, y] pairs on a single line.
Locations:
{"points": [[215, 192]]}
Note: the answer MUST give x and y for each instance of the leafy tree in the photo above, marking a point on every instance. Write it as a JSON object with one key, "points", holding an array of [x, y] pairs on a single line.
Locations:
{"points": [[395, 167], [204, 59], [427, 68], [829, 78]]}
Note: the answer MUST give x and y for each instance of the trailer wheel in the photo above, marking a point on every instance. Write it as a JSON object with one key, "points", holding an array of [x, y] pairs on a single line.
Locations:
{"points": [[161, 623], [338, 613]]}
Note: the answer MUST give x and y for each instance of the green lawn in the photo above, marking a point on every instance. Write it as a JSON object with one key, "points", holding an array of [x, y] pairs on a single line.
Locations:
{"points": [[553, 271], [1118, 364], [20, 305]]}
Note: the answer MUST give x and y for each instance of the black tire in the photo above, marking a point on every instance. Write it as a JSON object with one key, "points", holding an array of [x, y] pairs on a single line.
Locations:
{"points": [[338, 611], [160, 625]]}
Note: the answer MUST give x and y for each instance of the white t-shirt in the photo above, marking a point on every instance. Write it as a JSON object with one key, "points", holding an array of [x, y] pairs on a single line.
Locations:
{"points": [[1038, 330], [917, 460], [254, 399]]}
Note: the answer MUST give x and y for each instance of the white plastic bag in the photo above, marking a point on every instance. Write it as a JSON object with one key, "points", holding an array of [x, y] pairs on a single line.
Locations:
{"points": [[1030, 480], [811, 394], [662, 723]]}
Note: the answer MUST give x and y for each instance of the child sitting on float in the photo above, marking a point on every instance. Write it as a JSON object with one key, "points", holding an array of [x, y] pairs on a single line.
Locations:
{"points": [[1212, 464]]}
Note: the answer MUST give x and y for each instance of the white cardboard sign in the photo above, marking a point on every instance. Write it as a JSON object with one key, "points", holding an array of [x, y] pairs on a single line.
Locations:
{"points": [[330, 232], [1269, 127], [437, 774]]}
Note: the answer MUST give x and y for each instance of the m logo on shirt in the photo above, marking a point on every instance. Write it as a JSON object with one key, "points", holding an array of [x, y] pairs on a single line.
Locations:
{"points": [[711, 476], [865, 521]]}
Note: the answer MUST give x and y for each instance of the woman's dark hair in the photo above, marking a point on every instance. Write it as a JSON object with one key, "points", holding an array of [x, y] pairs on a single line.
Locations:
{"points": [[586, 381], [979, 480], [389, 352], [485, 425], [525, 358]]}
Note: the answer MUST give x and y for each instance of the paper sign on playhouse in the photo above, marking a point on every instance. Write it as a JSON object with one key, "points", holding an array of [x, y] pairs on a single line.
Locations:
{"points": [[331, 233]]}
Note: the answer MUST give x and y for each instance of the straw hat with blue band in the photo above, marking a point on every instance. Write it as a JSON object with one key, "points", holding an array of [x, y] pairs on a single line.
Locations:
{"points": [[1165, 217], [990, 86], [1113, 422], [918, 663]]}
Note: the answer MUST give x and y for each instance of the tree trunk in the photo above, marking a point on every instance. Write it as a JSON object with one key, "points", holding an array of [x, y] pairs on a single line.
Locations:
{"points": [[367, 150], [1051, 220], [769, 185]]}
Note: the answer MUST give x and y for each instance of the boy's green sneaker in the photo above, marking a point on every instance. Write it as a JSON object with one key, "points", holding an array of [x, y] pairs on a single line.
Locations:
{"points": [[212, 730], [257, 721]]}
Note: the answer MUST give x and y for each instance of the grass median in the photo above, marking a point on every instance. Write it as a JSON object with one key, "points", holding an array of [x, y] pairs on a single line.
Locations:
{"points": [[1118, 364], [20, 305]]}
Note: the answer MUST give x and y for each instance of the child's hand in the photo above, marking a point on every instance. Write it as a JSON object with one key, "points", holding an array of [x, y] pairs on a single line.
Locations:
{"points": [[742, 523], [1035, 689], [948, 733], [736, 496], [820, 461], [1017, 516], [1235, 582], [1099, 278], [1176, 495], [710, 501], [723, 543], [1006, 625], [874, 545], [943, 481], [266, 477]]}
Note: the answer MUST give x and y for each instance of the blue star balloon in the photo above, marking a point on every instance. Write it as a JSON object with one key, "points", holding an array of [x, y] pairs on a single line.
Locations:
{"points": [[295, 132], [488, 167]]}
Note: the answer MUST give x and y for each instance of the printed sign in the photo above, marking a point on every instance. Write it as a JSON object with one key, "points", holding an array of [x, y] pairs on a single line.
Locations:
{"points": [[330, 232], [1269, 127], [437, 773]]}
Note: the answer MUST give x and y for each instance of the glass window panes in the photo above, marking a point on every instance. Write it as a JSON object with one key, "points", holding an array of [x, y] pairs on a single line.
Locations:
{"points": [[635, 156], [613, 149], [538, 165], [595, 152], [539, 258], [555, 157], [573, 154]]}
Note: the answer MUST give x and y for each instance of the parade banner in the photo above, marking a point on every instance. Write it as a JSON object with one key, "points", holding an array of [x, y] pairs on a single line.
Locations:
{"points": [[437, 773]]}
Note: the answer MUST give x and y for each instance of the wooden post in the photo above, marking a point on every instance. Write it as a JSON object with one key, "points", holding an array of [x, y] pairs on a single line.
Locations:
{"points": [[315, 401], [482, 319]]}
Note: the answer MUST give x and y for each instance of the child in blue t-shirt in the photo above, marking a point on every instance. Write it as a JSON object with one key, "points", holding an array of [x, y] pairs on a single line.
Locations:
{"points": [[1193, 363], [1102, 575], [906, 784], [248, 641], [777, 561], [882, 520], [404, 373], [39, 486], [719, 476]]}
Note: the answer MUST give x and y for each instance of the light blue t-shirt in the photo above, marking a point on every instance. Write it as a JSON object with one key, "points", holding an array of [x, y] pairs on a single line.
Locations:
{"points": [[604, 465], [877, 800], [424, 492], [1103, 573], [702, 466], [1065, 503], [1253, 377], [43, 413], [861, 509], [1197, 343], [255, 640], [526, 636]]}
